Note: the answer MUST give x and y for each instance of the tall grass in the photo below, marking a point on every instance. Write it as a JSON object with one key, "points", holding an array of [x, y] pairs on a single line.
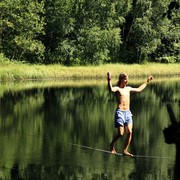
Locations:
{"points": [[12, 71]]}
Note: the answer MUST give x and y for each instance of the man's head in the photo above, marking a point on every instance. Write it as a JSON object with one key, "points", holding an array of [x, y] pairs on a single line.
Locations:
{"points": [[123, 78]]}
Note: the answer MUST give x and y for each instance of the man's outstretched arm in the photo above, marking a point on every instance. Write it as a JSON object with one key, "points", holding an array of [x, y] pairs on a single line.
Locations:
{"points": [[142, 86], [111, 88]]}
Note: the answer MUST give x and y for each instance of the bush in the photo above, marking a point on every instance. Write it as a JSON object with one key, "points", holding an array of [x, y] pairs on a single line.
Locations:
{"points": [[4, 60], [167, 59]]}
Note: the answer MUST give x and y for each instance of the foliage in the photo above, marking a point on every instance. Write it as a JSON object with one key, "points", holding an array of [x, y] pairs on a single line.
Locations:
{"points": [[3, 59], [170, 34], [21, 24], [97, 46], [165, 59], [83, 32]]}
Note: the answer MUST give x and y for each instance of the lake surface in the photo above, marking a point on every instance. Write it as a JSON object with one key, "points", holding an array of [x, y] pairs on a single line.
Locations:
{"points": [[59, 131]]}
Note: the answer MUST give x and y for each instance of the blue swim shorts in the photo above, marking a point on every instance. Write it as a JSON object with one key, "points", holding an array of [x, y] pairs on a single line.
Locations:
{"points": [[122, 118]]}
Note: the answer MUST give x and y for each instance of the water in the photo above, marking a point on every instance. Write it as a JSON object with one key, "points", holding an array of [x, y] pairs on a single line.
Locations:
{"points": [[63, 132]]}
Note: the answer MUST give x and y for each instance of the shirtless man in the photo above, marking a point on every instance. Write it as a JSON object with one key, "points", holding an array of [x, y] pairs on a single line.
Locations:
{"points": [[123, 117]]}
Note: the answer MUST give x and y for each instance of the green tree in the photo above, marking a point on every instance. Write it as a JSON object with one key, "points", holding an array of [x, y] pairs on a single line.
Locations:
{"points": [[82, 31], [57, 25], [169, 49], [141, 34], [21, 26]]}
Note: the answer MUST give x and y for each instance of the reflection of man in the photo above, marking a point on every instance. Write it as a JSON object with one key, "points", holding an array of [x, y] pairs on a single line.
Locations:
{"points": [[123, 116]]}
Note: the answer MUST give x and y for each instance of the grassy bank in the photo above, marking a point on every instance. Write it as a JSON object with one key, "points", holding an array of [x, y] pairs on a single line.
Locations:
{"points": [[23, 71]]}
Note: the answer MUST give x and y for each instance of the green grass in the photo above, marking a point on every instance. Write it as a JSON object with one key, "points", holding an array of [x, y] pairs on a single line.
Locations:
{"points": [[11, 71]]}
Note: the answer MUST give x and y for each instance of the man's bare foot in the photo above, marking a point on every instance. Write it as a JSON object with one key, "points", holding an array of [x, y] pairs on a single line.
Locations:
{"points": [[112, 149], [126, 153]]}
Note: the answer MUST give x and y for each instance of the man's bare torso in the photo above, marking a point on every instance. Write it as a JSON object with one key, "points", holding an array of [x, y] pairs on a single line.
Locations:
{"points": [[123, 97]]}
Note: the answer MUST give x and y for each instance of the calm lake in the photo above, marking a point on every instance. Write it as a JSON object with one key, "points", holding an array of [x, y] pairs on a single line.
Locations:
{"points": [[63, 130]]}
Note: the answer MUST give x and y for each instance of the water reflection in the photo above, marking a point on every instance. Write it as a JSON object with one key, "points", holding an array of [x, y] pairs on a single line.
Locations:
{"points": [[38, 127]]}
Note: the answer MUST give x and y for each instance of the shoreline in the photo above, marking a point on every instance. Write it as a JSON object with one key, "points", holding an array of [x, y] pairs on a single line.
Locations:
{"points": [[19, 72]]}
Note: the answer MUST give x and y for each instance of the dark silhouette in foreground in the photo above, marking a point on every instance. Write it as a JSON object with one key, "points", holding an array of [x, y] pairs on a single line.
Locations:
{"points": [[172, 136]]}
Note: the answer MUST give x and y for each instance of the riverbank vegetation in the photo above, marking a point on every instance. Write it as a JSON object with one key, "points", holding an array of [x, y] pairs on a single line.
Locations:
{"points": [[72, 39], [83, 32], [19, 71]]}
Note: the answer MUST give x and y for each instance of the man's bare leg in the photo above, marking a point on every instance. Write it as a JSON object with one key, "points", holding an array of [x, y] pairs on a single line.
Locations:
{"points": [[115, 138], [128, 139], [112, 144]]}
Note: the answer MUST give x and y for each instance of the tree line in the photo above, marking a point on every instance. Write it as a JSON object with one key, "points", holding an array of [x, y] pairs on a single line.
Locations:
{"points": [[83, 32]]}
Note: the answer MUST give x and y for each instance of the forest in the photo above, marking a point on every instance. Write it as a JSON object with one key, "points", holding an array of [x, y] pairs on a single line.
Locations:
{"points": [[89, 32]]}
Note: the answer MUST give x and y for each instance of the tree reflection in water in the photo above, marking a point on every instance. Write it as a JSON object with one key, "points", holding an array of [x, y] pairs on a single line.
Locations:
{"points": [[37, 126]]}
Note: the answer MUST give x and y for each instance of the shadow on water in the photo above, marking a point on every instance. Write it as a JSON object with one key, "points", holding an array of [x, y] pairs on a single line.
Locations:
{"points": [[172, 136]]}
